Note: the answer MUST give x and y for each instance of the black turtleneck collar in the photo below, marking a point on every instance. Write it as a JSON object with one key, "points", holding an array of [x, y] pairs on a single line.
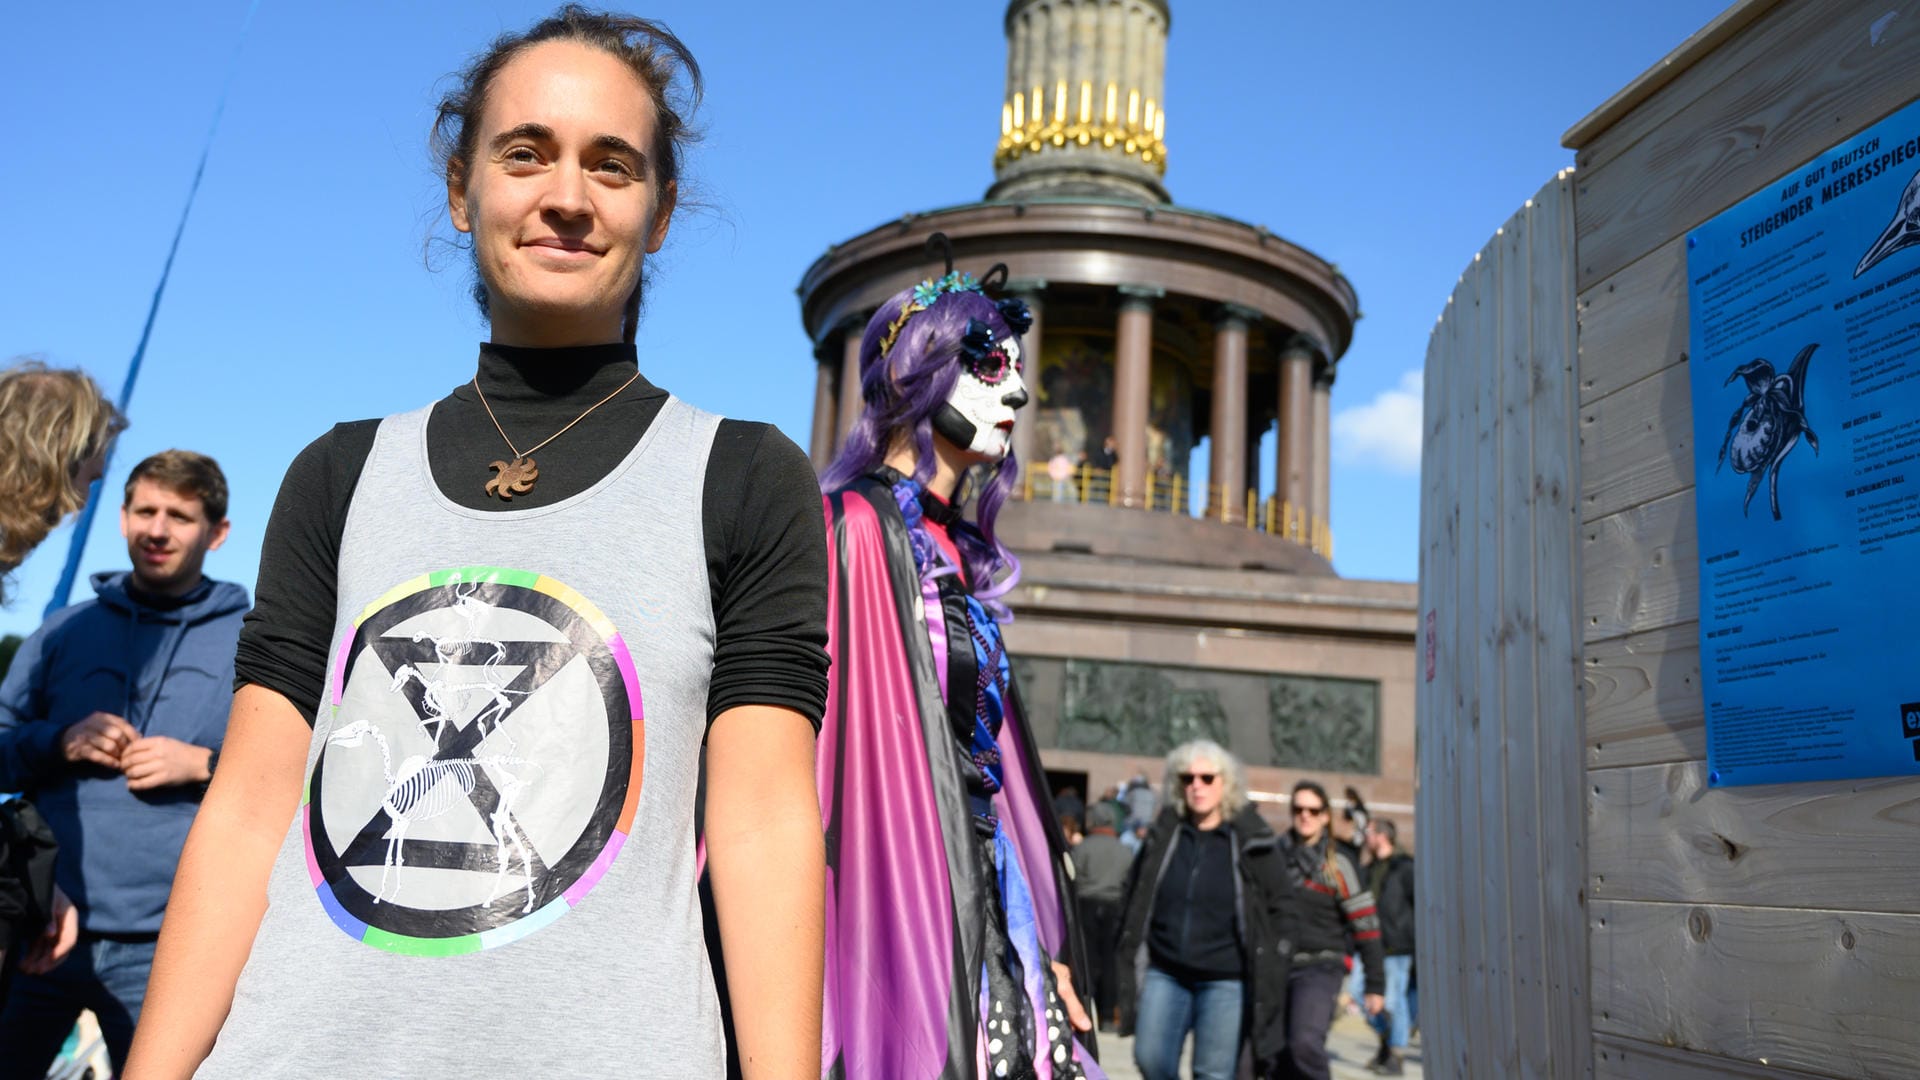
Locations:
{"points": [[515, 373], [534, 393]]}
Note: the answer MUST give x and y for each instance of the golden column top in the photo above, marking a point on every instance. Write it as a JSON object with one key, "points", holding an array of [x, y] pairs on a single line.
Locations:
{"points": [[1084, 112]]}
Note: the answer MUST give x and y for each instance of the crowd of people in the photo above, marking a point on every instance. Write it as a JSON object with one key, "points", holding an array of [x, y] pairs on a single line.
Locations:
{"points": [[1202, 922], [660, 756]]}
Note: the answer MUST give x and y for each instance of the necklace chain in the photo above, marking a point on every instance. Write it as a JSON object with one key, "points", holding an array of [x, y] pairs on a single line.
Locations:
{"points": [[530, 450]]}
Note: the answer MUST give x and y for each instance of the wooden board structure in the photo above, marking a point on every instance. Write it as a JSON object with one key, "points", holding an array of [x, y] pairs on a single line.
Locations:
{"points": [[1503, 964], [1589, 906], [1745, 932]]}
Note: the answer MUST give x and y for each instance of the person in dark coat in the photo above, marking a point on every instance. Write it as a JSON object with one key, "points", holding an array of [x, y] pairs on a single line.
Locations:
{"points": [[1335, 914], [1390, 879], [1201, 945], [1100, 866]]}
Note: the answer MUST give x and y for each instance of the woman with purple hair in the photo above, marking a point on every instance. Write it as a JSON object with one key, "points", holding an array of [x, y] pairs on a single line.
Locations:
{"points": [[951, 945]]}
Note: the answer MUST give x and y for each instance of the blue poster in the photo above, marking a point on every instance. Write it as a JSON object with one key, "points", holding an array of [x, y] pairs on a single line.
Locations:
{"points": [[1804, 312]]}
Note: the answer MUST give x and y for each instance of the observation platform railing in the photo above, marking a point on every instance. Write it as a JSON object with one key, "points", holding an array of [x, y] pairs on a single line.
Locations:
{"points": [[1093, 485]]}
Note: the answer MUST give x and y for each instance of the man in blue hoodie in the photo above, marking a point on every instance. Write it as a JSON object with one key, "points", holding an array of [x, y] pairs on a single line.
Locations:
{"points": [[111, 719]]}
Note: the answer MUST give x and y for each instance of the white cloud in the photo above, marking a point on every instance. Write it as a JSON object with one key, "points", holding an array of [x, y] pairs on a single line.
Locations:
{"points": [[1384, 432]]}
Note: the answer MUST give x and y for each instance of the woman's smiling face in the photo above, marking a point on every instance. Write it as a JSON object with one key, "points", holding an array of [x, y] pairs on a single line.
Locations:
{"points": [[560, 197]]}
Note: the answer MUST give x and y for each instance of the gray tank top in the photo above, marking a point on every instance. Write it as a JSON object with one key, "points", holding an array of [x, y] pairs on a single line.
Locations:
{"points": [[491, 873]]}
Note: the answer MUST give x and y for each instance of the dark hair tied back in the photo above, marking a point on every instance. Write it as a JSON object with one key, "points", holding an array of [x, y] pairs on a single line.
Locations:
{"points": [[660, 60]]}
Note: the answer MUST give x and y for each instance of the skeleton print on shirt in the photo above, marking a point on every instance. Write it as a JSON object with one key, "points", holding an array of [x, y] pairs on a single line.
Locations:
{"points": [[482, 764]]}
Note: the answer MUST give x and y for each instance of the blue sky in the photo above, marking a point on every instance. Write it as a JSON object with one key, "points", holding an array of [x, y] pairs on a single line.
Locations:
{"points": [[1391, 138]]}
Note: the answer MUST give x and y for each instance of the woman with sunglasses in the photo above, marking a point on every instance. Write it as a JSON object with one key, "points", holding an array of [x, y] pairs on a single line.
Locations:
{"points": [[1200, 930], [1334, 908]]}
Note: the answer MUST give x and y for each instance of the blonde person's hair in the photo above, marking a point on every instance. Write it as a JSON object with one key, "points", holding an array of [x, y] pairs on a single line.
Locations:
{"points": [[1232, 800], [51, 421]]}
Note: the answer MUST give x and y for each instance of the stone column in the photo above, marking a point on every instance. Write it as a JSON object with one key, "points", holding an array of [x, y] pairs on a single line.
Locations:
{"points": [[1132, 387], [1227, 477], [1293, 473], [1026, 427], [1322, 502], [826, 409], [850, 402]]}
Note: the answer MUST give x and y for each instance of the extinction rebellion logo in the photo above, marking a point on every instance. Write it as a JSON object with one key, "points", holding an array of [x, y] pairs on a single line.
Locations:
{"points": [[482, 764]]}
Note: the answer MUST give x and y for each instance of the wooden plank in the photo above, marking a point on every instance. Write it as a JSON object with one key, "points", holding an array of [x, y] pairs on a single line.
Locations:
{"points": [[1643, 699], [1762, 123], [1636, 445], [1437, 588], [1447, 734], [1635, 322], [1483, 701], [1516, 642], [1464, 926], [1630, 1059], [1496, 939], [1445, 1053], [1641, 569], [1701, 63], [1459, 457], [1658, 832], [1829, 992], [1457, 621], [1433, 679], [1557, 587]]}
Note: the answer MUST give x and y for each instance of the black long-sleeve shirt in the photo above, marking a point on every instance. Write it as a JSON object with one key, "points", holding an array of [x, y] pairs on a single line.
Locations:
{"points": [[760, 513]]}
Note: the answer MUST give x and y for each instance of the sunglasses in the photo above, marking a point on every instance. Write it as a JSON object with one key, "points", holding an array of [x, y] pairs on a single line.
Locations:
{"points": [[1313, 810], [1205, 778]]}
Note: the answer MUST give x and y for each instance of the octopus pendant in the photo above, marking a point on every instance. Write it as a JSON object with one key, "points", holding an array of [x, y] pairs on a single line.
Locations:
{"points": [[512, 478]]}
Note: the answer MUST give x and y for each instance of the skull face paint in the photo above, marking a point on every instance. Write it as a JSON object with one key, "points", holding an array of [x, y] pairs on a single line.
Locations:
{"points": [[979, 415]]}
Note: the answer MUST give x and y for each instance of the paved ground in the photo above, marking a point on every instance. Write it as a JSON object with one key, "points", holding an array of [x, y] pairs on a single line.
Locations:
{"points": [[1351, 1043]]}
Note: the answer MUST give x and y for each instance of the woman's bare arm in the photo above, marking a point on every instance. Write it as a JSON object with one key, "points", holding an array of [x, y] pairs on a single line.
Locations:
{"points": [[768, 861], [220, 888]]}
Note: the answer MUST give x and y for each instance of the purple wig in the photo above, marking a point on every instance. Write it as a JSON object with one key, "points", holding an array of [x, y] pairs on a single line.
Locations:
{"points": [[902, 394]]}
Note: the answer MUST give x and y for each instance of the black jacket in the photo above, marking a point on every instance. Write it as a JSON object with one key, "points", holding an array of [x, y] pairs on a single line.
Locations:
{"points": [[1193, 932], [1393, 892], [1264, 893], [1335, 914]]}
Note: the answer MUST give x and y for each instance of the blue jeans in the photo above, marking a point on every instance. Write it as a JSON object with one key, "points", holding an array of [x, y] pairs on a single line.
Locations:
{"points": [[109, 977], [1169, 1008], [1397, 1022]]}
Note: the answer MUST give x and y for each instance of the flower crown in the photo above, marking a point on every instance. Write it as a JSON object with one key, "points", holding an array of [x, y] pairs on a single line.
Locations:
{"points": [[924, 295], [1012, 309]]}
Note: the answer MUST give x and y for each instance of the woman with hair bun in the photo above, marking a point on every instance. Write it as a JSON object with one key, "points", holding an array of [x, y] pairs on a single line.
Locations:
{"points": [[951, 946], [452, 829], [1201, 927], [55, 430]]}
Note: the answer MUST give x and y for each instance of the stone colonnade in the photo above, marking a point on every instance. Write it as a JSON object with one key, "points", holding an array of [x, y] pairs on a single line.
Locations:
{"points": [[1302, 486]]}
